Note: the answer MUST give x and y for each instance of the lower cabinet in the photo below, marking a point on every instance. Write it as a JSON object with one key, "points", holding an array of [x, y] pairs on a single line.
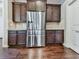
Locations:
{"points": [[59, 36], [12, 37], [50, 37], [54, 36], [21, 38], [17, 38]]}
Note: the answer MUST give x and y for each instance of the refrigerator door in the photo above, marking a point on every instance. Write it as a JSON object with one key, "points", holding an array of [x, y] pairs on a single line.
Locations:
{"points": [[35, 29]]}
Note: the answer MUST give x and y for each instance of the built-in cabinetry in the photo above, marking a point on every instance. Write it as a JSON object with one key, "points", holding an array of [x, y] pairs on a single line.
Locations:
{"points": [[19, 12], [54, 36], [36, 5], [53, 13], [17, 37]]}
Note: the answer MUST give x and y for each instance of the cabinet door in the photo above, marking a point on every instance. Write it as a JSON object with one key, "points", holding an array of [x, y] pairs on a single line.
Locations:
{"points": [[31, 5], [21, 39], [59, 36], [49, 13], [19, 12], [50, 36], [23, 12], [56, 13], [16, 12], [53, 13], [12, 37], [34, 5]]}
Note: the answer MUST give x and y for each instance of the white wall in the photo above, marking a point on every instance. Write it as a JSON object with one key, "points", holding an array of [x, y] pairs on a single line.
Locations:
{"points": [[67, 24], [5, 24], [1, 22], [1, 19]]}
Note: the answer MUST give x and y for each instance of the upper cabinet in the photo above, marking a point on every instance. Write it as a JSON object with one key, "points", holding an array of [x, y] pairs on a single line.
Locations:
{"points": [[19, 12], [20, 8], [53, 13], [36, 5]]}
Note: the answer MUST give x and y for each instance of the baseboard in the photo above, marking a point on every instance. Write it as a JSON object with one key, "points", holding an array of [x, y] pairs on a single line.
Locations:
{"points": [[75, 48], [66, 45], [5, 46]]}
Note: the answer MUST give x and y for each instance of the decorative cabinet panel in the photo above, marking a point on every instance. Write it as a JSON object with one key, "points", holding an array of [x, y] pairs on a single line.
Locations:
{"points": [[36, 5], [31, 5], [17, 37], [50, 36], [19, 12], [12, 37], [59, 36], [54, 36], [53, 13], [21, 38]]}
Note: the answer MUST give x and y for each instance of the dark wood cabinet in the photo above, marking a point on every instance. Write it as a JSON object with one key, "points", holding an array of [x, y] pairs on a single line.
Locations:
{"points": [[36, 5], [53, 13], [50, 36], [20, 9], [16, 38], [54, 36], [21, 40], [19, 12], [59, 36], [12, 37]]}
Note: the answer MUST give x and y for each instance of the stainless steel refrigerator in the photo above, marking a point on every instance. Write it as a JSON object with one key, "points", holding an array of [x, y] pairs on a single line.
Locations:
{"points": [[35, 29]]}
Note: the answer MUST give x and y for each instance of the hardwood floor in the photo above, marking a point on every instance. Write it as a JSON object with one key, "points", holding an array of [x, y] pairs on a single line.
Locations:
{"points": [[49, 52]]}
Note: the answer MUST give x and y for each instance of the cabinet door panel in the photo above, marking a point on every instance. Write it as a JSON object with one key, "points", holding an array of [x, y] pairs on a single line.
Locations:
{"points": [[59, 37], [23, 12], [16, 12], [54, 36], [21, 38], [53, 13], [19, 12], [50, 36], [49, 13], [56, 13], [31, 5], [12, 37]]}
